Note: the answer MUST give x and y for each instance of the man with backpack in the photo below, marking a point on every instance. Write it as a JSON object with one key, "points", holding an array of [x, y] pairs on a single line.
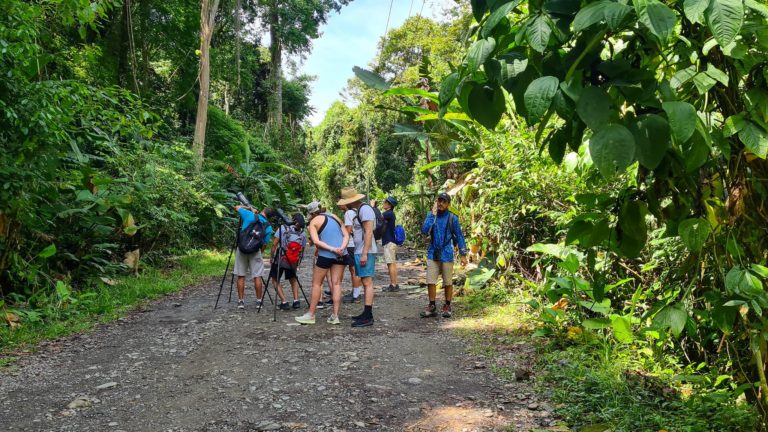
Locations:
{"points": [[388, 243], [287, 250], [363, 227], [444, 233], [255, 233]]}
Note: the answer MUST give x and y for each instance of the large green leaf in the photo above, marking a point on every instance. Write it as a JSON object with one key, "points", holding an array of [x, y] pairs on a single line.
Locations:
{"points": [[486, 105], [448, 89], [478, 8], [651, 134], [622, 329], [615, 14], [497, 15], [479, 52], [48, 252], [694, 10], [724, 19], [742, 282], [538, 96], [371, 79], [538, 32], [694, 233], [682, 119], [755, 139], [591, 14], [595, 107], [632, 232], [612, 149], [672, 317], [658, 18]]}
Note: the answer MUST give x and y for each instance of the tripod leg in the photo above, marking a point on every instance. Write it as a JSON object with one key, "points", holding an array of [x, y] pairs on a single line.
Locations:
{"points": [[224, 278], [266, 293], [302, 291]]}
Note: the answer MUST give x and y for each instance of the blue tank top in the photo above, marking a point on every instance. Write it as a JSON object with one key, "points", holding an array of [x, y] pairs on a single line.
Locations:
{"points": [[331, 235]]}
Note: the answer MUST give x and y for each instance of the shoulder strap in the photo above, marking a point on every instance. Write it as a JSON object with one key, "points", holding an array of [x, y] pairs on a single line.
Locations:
{"points": [[322, 227]]}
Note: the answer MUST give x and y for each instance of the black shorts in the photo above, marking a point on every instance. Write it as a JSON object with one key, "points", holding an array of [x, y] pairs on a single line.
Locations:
{"points": [[326, 263], [350, 256], [285, 274]]}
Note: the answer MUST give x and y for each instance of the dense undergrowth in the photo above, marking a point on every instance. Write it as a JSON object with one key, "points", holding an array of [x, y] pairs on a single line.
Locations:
{"points": [[50, 315], [594, 383]]}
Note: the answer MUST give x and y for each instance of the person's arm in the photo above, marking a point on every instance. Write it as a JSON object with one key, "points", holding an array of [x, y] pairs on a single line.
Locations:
{"points": [[313, 226], [428, 223], [345, 233], [367, 239]]}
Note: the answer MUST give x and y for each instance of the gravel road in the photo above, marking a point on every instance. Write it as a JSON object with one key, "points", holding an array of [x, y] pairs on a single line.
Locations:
{"points": [[179, 365]]}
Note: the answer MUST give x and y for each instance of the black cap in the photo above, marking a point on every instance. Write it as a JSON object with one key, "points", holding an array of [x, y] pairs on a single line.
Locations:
{"points": [[444, 196]]}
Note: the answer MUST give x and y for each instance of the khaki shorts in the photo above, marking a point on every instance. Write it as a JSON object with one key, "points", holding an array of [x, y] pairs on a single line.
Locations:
{"points": [[390, 253], [436, 268], [248, 265]]}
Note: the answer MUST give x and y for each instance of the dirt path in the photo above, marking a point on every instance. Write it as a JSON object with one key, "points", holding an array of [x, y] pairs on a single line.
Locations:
{"points": [[180, 365]]}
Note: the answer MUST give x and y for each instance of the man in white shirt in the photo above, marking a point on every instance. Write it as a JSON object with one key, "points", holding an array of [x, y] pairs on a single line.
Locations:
{"points": [[357, 284], [365, 248]]}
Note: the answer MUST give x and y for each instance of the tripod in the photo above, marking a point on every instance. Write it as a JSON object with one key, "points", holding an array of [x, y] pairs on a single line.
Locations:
{"points": [[278, 273], [232, 281]]}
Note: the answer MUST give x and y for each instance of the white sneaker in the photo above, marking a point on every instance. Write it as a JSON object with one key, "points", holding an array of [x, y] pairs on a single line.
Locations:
{"points": [[240, 304], [333, 319], [305, 319]]}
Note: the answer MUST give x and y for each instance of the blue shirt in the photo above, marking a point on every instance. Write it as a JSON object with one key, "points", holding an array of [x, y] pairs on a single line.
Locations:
{"points": [[247, 216], [389, 227], [332, 236], [443, 236]]}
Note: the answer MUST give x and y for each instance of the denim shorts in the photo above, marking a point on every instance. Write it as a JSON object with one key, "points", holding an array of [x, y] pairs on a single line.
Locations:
{"points": [[368, 270]]}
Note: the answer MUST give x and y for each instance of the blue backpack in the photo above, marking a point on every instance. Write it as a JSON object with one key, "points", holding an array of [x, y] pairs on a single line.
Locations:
{"points": [[399, 235]]}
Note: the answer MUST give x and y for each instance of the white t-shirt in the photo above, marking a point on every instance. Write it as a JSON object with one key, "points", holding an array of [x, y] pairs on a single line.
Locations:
{"points": [[365, 214], [349, 217]]}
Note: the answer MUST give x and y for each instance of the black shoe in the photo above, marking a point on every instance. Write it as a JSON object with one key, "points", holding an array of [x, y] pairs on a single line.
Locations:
{"points": [[429, 312], [329, 302], [296, 304], [284, 306], [363, 322], [395, 288], [327, 292], [320, 305], [357, 317]]}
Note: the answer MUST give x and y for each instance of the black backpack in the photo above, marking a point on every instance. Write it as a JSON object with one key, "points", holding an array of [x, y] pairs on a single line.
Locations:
{"points": [[378, 228], [252, 238]]}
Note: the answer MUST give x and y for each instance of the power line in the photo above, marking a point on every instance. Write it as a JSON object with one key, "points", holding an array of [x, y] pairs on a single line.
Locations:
{"points": [[409, 9], [423, 2], [388, 16]]}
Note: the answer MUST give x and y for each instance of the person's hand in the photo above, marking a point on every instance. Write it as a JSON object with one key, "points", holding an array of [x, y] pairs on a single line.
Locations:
{"points": [[464, 260], [434, 209], [363, 260], [317, 251], [339, 251]]}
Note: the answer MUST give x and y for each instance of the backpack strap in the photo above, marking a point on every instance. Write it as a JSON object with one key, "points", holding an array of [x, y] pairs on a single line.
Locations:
{"points": [[322, 227]]}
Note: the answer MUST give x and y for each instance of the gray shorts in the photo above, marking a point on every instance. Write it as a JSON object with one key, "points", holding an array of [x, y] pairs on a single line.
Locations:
{"points": [[435, 269], [248, 265]]}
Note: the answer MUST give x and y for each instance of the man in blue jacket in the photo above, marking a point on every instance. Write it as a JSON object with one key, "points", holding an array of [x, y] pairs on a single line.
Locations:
{"points": [[444, 231], [251, 265]]}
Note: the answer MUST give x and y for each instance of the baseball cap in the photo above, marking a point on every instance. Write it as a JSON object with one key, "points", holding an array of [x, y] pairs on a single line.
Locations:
{"points": [[444, 196], [313, 207], [392, 201]]}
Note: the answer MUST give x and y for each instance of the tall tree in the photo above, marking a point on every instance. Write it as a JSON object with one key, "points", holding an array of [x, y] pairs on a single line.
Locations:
{"points": [[207, 21], [293, 24]]}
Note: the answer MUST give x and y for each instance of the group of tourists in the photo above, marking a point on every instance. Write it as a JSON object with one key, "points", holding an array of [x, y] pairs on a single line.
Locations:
{"points": [[348, 243]]}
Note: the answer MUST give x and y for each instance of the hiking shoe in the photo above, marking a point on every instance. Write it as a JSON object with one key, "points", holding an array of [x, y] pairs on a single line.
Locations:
{"points": [[320, 305], [363, 322], [240, 304], [349, 298], [357, 317], [305, 319], [284, 306], [329, 301], [429, 312], [327, 292], [447, 311], [393, 288], [258, 303], [296, 304], [333, 319]]}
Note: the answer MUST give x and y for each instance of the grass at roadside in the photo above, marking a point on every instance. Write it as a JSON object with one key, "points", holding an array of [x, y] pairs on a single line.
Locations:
{"points": [[595, 384], [63, 312]]}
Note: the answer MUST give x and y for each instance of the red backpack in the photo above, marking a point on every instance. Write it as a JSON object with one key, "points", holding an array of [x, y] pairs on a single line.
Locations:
{"points": [[292, 244]]}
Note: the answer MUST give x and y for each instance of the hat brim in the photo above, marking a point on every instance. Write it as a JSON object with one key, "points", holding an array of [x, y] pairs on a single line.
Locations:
{"points": [[346, 201]]}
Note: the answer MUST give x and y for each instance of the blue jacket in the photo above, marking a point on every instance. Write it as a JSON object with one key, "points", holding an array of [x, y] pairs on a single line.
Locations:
{"points": [[442, 241]]}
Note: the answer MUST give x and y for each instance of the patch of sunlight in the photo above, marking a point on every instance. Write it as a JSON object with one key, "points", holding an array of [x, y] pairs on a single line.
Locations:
{"points": [[502, 318], [462, 417]]}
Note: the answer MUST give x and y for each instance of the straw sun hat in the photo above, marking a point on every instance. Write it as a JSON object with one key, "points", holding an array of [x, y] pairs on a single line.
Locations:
{"points": [[349, 195]]}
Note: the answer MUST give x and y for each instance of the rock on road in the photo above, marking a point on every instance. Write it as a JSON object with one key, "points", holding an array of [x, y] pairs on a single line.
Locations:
{"points": [[179, 365]]}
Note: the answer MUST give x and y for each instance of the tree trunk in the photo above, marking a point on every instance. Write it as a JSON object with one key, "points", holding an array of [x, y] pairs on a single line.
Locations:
{"points": [[276, 52], [207, 20]]}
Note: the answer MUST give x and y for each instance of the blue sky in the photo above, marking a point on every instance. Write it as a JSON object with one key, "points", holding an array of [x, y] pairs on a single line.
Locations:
{"points": [[350, 39]]}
